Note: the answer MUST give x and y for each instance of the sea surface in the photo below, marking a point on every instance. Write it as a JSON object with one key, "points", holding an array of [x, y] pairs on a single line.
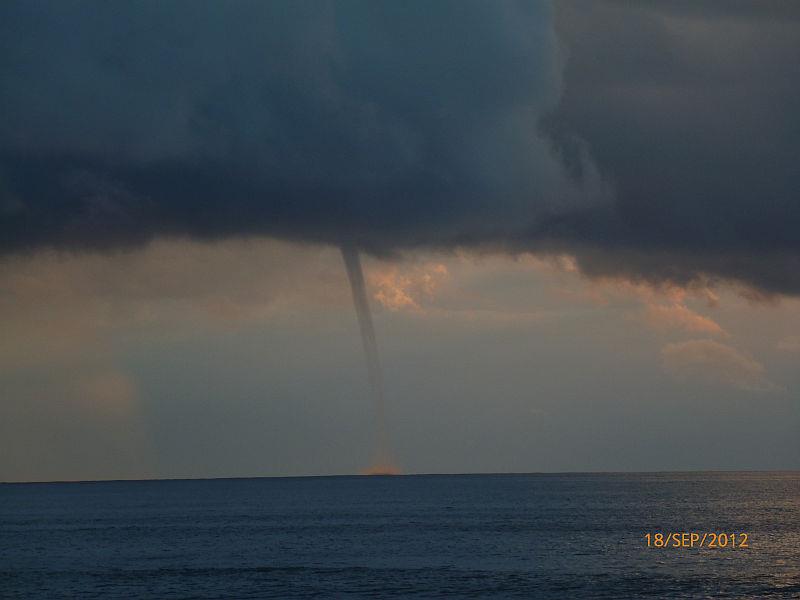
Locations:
{"points": [[429, 536]]}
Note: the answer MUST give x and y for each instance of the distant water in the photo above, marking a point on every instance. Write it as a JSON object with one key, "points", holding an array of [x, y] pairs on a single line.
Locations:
{"points": [[529, 536]]}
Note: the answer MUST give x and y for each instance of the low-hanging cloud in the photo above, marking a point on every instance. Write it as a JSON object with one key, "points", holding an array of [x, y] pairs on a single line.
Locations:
{"points": [[391, 126], [690, 110], [380, 124]]}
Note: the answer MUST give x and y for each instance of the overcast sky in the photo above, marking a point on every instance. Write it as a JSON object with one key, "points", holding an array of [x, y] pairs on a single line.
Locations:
{"points": [[578, 227]]}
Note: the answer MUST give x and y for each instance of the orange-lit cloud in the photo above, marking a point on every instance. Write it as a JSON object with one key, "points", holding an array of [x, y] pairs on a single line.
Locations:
{"points": [[679, 316], [711, 361], [665, 304], [607, 288], [406, 288]]}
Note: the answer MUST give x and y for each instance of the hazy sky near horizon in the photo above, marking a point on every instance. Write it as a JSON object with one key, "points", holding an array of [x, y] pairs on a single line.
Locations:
{"points": [[579, 229]]}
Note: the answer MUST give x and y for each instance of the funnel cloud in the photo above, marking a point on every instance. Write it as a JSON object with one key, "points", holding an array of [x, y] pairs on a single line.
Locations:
{"points": [[382, 462]]}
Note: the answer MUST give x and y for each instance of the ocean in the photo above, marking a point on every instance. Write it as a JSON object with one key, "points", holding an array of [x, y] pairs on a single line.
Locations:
{"points": [[429, 536]]}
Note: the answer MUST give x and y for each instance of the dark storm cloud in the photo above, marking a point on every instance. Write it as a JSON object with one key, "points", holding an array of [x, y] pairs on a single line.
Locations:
{"points": [[390, 125], [384, 123], [690, 110]]}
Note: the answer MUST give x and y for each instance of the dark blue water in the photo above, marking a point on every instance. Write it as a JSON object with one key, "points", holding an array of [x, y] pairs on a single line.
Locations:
{"points": [[534, 536]]}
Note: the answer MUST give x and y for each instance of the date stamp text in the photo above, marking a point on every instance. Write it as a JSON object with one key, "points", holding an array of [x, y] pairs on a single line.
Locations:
{"points": [[696, 539]]}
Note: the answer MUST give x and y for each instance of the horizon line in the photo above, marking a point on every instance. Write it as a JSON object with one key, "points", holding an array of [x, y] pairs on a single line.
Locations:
{"points": [[428, 474]]}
